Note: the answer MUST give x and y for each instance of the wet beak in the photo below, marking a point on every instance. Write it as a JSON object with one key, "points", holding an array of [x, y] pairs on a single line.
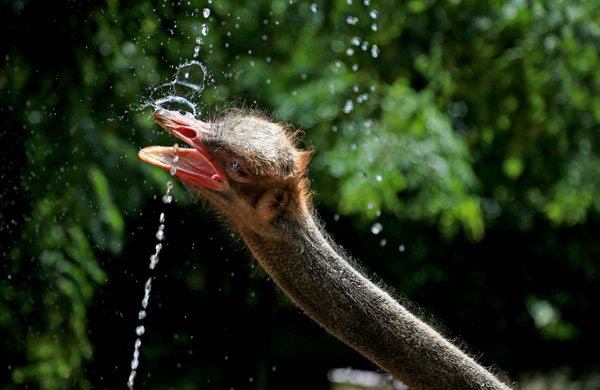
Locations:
{"points": [[194, 165]]}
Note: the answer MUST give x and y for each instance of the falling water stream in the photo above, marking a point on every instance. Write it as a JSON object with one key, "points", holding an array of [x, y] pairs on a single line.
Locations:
{"points": [[154, 258]]}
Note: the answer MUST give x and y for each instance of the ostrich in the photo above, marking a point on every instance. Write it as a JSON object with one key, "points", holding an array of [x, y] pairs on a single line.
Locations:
{"points": [[251, 170]]}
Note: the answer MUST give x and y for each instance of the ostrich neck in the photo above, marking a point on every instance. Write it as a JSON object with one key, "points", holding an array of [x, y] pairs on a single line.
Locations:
{"points": [[305, 265]]}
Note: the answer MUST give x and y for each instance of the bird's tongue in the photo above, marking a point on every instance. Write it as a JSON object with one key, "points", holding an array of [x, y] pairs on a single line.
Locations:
{"points": [[192, 166]]}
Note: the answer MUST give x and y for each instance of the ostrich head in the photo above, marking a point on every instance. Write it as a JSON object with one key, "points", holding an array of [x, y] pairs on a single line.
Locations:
{"points": [[246, 166]]}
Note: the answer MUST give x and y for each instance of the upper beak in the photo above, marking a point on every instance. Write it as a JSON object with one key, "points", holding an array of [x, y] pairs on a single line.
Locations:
{"points": [[185, 128], [192, 166]]}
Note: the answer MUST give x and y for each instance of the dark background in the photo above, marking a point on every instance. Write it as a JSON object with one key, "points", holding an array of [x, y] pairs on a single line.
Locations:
{"points": [[482, 120]]}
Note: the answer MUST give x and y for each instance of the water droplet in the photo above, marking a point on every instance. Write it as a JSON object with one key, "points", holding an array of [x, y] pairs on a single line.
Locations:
{"points": [[374, 27], [371, 205], [367, 2], [376, 228], [148, 285], [138, 343], [364, 46], [355, 67], [352, 20], [173, 170], [160, 235], [135, 363], [204, 30], [140, 330], [142, 315], [355, 88], [378, 178], [383, 242], [131, 379], [401, 248], [375, 51], [153, 261], [199, 41], [206, 13], [145, 301], [336, 217], [158, 248], [313, 8], [348, 107], [349, 2], [169, 187], [350, 51], [373, 14], [355, 41], [161, 219]]}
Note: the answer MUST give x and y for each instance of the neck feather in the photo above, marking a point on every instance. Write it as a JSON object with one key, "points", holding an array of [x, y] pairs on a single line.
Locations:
{"points": [[307, 267]]}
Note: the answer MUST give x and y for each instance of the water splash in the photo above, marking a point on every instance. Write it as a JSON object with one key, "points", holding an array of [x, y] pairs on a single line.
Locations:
{"points": [[189, 79], [174, 103], [181, 93]]}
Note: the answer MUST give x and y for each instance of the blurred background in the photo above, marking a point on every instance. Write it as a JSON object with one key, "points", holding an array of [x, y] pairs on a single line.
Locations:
{"points": [[456, 155]]}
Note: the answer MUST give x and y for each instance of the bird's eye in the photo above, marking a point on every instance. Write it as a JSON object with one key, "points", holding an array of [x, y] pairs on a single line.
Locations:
{"points": [[237, 171]]}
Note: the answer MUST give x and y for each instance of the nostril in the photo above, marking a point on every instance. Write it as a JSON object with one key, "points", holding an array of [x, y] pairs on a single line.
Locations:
{"points": [[185, 131]]}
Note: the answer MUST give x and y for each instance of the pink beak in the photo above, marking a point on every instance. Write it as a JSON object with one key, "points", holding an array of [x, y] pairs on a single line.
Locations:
{"points": [[192, 166]]}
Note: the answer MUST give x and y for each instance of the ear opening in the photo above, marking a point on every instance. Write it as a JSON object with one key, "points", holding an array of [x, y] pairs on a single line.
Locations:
{"points": [[274, 202]]}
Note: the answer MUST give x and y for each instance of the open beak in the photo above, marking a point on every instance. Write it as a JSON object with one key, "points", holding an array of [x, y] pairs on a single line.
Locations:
{"points": [[192, 166]]}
